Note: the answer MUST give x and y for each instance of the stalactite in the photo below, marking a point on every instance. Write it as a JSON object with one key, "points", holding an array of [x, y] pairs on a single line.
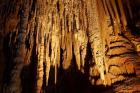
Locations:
{"points": [[80, 49], [47, 58], [95, 37], [77, 37], [111, 19], [40, 59], [48, 37], [104, 15], [30, 41], [105, 7], [128, 5], [123, 15], [67, 34]]}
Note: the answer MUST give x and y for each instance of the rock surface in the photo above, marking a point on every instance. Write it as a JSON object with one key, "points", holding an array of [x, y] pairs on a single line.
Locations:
{"points": [[61, 46]]}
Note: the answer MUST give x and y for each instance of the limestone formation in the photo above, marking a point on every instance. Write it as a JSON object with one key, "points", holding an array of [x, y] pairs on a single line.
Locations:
{"points": [[47, 43]]}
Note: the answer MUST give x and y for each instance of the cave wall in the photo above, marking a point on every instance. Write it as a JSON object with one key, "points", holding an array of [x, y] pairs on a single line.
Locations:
{"points": [[47, 45]]}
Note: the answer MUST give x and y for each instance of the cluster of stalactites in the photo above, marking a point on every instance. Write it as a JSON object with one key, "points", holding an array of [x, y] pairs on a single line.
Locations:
{"points": [[65, 27], [65, 32]]}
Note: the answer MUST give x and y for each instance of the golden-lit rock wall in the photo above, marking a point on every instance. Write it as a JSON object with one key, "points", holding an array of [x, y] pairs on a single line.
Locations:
{"points": [[42, 40]]}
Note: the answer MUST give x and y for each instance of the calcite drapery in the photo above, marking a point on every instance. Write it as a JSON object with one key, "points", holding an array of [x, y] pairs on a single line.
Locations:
{"points": [[62, 33]]}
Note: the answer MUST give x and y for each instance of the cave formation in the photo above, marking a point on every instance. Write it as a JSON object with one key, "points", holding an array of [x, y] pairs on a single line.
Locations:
{"points": [[69, 46]]}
